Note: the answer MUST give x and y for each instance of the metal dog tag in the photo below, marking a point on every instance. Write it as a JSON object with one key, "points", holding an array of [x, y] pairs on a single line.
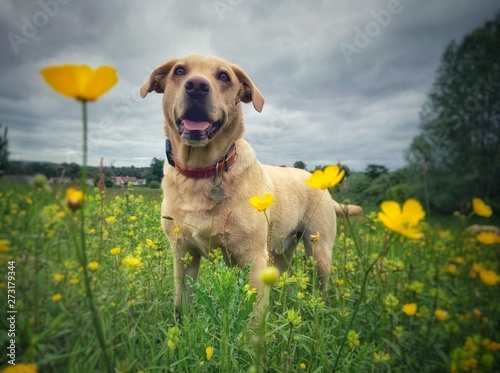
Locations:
{"points": [[216, 193]]}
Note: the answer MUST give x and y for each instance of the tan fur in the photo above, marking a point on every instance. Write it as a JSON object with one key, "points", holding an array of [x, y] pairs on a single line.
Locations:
{"points": [[475, 229], [233, 224]]}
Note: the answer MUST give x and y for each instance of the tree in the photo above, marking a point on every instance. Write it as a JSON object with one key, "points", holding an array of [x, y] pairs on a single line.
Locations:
{"points": [[369, 193], [155, 172], [4, 151], [457, 153], [71, 170], [300, 164], [375, 170]]}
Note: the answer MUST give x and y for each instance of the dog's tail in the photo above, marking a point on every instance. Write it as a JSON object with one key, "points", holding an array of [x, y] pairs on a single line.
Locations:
{"points": [[349, 210]]}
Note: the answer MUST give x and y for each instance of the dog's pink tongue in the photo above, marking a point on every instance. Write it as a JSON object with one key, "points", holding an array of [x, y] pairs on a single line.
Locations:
{"points": [[195, 126]]}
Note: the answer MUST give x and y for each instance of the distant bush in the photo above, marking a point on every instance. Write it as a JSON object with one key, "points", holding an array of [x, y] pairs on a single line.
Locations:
{"points": [[154, 184], [369, 191]]}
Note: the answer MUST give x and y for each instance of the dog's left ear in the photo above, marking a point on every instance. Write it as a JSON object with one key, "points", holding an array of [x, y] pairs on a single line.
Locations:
{"points": [[250, 93], [156, 81]]}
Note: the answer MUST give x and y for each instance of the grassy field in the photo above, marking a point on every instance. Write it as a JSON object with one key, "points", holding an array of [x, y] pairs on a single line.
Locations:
{"points": [[425, 305]]}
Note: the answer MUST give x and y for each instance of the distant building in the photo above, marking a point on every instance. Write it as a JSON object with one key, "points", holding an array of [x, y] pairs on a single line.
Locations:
{"points": [[125, 180], [60, 180]]}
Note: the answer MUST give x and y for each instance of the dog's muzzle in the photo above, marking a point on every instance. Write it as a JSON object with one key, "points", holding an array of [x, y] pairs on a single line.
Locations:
{"points": [[195, 127]]}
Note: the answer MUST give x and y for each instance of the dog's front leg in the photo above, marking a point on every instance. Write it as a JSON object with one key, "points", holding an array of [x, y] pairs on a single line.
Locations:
{"points": [[254, 277], [186, 263]]}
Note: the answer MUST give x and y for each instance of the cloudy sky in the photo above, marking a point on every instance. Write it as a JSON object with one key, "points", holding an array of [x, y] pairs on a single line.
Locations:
{"points": [[343, 80]]}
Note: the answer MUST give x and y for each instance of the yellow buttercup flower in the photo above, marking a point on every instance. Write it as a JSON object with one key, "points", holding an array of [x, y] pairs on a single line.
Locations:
{"points": [[93, 266], [115, 251], [480, 208], [488, 277], [4, 245], [20, 368], [74, 198], [441, 315], [110, 219], [261, 204], [410, 309], [488, 238], [58, 277], [56, 298], [404, 221], [80, 82], [476, 267], [492, 346], [314, 237], [132, 261], [209, 352], [331, 176], [477, 313]]}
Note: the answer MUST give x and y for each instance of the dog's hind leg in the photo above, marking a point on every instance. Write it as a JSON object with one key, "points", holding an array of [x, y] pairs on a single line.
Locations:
{"points": [[283, 253], [321, 251]]}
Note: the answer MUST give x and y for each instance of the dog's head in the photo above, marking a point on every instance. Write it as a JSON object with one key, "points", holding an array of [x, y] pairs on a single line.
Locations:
{"points": [[201, 97]]}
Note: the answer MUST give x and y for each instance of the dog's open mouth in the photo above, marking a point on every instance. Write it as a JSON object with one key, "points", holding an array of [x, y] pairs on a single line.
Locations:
{"points": [[196, 128]]}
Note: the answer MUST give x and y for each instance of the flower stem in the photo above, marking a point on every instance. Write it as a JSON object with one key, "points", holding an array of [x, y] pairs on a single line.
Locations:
{"points": [[83, 247], [426, 192], [269, 240], [260, 343], [358, 302]]}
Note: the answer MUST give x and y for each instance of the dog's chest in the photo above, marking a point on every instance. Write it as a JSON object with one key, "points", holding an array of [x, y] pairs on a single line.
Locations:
{"points": [[205, 230], [203, 224]]}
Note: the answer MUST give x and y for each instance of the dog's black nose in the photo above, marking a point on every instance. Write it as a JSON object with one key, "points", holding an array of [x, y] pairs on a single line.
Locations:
{"points": [[197, 87]]}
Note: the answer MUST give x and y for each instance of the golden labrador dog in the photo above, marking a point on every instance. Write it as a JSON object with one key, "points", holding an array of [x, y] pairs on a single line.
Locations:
{"points": [[211, 173]]}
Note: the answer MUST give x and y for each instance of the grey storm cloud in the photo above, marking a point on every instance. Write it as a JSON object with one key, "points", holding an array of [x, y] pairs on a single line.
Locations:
{"points": [[343, 81]]}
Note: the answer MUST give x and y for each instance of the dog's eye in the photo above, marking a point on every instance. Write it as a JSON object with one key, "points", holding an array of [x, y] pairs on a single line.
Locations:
{"points": [[224, 77], [179, 71]]}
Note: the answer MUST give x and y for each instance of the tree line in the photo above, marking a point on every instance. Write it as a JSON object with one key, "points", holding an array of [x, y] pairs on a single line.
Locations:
{"points": [[73, 171]]}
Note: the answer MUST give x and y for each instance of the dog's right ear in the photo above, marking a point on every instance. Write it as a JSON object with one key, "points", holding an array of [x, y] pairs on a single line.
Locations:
{"points": [[156, 81], [249, 92]]}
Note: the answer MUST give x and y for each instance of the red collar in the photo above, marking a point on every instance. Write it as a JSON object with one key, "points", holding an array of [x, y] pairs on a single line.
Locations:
{"points": [[223, 165]]}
